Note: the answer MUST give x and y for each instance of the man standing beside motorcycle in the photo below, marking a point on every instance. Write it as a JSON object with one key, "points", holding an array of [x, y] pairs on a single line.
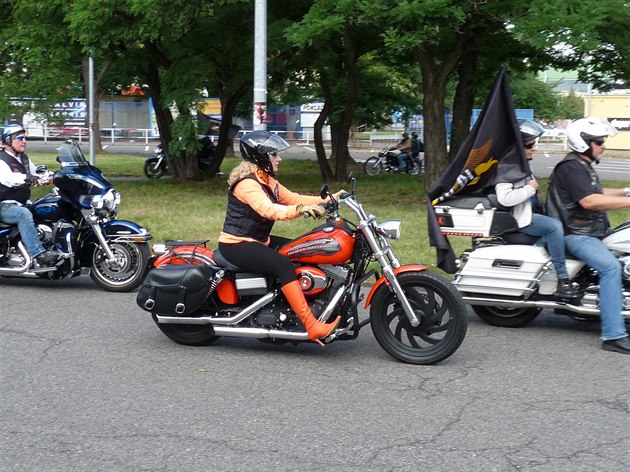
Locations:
{"points": [[255, 201], [525, 203], [576, 197], [16, 176]]}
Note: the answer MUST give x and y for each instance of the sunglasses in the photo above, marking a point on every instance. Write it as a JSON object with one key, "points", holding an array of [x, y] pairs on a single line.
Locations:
{"points": [[599, 142], [530, 145], [21, 138]]}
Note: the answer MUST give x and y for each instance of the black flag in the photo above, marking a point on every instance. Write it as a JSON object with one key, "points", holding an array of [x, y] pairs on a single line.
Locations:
{"points": [[494, 137]]}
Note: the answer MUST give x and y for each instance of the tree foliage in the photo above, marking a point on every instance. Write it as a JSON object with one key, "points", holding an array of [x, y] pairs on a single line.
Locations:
{"points": [[362, 58]]}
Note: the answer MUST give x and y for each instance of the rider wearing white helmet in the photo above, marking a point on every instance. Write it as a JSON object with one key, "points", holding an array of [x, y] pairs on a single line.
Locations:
{"points": [[17, 173], [576, 197]]}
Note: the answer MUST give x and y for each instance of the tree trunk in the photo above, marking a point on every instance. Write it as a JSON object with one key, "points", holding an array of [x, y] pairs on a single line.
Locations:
{"points": [[435, 155], [462, 103], [341, 132], [225, 145], [318, 137]]}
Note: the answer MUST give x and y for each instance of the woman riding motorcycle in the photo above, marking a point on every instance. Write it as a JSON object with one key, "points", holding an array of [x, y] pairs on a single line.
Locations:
{"points": [[255, 201]]}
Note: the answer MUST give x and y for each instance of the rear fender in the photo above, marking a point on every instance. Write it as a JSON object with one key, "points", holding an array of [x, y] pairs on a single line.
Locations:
{"points": [[195, 254], [397, 271]]}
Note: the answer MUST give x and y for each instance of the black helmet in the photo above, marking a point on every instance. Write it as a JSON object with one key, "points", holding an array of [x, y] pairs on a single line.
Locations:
{"points": [[530, 131], [256, 147], [405, 134]]}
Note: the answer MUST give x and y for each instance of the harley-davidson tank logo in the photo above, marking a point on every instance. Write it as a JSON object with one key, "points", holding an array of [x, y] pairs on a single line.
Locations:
{"points": [[315, 247]]}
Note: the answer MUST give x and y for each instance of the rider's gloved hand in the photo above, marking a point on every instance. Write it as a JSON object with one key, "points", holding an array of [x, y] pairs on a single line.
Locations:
{"points": [[340, 194], [314, 211]]}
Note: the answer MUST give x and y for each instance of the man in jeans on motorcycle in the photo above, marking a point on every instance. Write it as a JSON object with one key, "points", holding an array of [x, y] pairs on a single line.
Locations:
{"points": [[576, 197], [405, 147], [16, 176]]}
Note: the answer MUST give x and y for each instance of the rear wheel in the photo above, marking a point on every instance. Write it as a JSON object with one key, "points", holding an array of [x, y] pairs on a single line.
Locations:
{"points": [[506, 317], [442, 314], [188, 334], [372, 166]]}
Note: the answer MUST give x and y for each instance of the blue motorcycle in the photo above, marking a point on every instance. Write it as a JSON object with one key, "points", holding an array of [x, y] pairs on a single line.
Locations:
{"points": [[78, 218]]}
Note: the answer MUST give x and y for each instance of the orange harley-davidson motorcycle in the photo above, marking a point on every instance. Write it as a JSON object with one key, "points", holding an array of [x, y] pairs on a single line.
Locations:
{"points": [[195, 296]]}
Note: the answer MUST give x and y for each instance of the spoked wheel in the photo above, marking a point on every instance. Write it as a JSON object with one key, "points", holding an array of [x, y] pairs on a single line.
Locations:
{"points": [[506, 317], [152, 170], [128, 270], [188, 334], [372, 166], [442, 314]]}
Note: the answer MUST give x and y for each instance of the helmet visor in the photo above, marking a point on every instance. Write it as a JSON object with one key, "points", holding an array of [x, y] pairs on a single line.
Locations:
{"points": [[273, 144]]}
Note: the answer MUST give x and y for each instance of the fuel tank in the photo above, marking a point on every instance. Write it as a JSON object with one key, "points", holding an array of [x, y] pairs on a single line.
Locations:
{"points": [[330, 243], [50, 208]]}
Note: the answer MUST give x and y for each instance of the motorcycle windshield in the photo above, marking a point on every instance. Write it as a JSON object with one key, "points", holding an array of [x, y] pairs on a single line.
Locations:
{"points": [[70, 154], [78, 179]]}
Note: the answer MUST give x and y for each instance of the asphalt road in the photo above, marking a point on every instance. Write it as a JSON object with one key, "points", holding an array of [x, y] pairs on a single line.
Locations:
{"points": [[615, 165], [88, 383]]}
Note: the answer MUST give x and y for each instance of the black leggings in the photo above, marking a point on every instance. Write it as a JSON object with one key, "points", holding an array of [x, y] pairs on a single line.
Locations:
{"points": [[261, 259]]}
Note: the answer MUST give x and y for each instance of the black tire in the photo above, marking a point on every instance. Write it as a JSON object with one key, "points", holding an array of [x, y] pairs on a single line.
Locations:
{"points": [[188, 334], [372, 166], [442, 313], [150, 169], [132, 259], [506, 317]]}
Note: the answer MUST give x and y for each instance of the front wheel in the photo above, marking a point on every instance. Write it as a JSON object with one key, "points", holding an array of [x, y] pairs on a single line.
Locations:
{"points": [[506, 317], [127, 270], [188, 334], [442, 314], [372, 166], [152, 170]]}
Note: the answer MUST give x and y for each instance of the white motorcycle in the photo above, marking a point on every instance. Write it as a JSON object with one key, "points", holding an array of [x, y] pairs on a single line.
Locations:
{"points": [[508, 279]]}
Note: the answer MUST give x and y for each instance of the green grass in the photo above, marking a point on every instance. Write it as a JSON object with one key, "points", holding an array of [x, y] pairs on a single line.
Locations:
{"points": [[196, 210]]}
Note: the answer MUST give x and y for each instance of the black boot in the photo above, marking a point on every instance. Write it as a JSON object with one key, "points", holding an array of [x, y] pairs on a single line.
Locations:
{"points": [[566, 289], [47, 258]]}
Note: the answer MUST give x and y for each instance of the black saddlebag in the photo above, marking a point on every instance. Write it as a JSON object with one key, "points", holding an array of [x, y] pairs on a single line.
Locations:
{"points": [[175, 289]]}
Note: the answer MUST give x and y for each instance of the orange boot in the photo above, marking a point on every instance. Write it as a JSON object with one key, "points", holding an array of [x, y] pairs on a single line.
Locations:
{"points": [[315, 329]]}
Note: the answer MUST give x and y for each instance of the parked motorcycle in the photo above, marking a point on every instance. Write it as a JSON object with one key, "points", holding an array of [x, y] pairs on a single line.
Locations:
{"points": [[156, 167], [195, 296], [387, 161], [78, 218], [508, 279]]}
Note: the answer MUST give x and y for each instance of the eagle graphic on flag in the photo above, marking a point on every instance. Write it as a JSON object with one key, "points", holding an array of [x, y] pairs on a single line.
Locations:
{"points": [[494, 138]]}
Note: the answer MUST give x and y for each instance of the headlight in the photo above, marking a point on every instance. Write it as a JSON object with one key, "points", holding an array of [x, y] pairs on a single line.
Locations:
{"points": [[109, 200], [390, 229]]}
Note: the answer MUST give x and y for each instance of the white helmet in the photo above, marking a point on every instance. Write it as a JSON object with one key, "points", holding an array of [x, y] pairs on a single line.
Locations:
{"points": [[582, 131]]}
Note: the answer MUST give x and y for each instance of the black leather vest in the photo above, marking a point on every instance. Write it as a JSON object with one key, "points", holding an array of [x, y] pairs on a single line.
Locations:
{"points": [[575, 218], [241, 220], [20, 193]]}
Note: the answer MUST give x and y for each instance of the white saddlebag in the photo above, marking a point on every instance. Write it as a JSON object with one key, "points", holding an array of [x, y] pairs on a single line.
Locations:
{"points": [[510, 270]]}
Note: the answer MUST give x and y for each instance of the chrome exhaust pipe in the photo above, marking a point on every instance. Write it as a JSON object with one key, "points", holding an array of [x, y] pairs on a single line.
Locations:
{"points": [[544, 304], [234, 331]]}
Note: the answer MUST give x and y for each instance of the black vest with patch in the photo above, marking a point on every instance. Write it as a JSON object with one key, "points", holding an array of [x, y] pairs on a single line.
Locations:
{"points": [[575, 218], [19, 193]]}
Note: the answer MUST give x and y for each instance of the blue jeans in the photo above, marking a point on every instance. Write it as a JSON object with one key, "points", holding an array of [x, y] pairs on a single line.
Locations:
{"points": [[551, 229], [597, 256], [402, 161], [11, 213]]}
